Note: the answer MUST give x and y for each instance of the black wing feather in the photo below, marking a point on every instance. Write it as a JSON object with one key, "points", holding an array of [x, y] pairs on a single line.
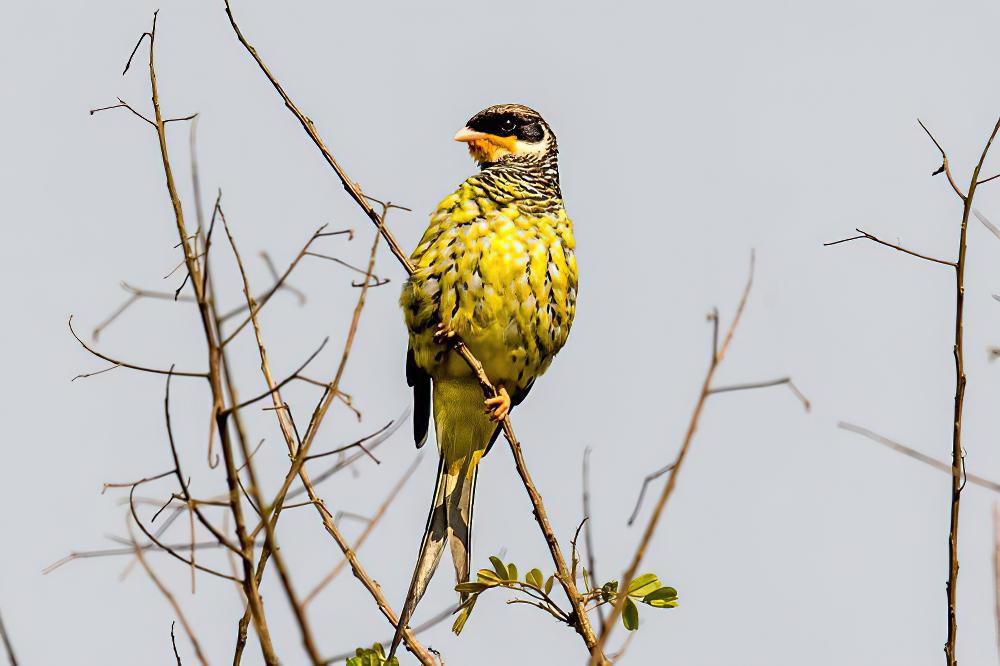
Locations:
{"points": [[421, 383]]}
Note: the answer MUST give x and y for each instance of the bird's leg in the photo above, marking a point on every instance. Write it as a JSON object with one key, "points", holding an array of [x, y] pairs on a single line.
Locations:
{"points": [[443, 334], [498, 407]]}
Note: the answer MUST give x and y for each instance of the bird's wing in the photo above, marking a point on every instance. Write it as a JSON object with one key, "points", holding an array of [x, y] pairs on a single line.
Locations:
{"points": [[421, 383]]}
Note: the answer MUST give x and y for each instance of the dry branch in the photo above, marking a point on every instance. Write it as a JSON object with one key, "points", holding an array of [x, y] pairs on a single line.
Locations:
{"points": [[7, 643], [957, 453], [917, 455]]}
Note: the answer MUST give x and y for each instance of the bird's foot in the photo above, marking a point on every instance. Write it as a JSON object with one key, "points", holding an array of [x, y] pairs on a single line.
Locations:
{"points": [[443, 334], [498, 407]]}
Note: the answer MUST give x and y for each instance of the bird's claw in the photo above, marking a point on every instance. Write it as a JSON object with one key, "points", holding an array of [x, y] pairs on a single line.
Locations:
{"points": [[498, 407], [443, 334]]}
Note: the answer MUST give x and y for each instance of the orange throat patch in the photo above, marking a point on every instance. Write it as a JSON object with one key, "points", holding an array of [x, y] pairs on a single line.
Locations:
{"points": [[492, 148]]}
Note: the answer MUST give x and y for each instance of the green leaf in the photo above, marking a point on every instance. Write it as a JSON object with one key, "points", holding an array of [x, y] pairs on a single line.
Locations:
{"points": [[548, 584], [643, 585], [471, 588], [630, 615], [374, 656], [465, 610], [609, 590], [665, 597], [488, 577], [499, 567], [534, 578], [511, 572]]}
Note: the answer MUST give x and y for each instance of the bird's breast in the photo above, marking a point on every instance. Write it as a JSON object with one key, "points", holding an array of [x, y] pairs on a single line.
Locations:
{"points": [[504, 279]]}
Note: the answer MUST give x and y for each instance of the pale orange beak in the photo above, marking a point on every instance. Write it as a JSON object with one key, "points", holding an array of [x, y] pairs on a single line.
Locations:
{"points": [[465, 134]]}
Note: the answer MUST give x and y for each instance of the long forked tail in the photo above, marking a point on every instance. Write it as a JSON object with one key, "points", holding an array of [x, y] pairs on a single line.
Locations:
{"points": [[450, 519]]}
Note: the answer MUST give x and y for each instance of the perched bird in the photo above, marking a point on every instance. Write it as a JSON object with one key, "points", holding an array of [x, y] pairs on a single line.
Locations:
{"points": [[497, 268]]}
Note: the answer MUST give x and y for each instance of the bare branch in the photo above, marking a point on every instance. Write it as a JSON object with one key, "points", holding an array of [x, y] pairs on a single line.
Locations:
{"points": [[173, 642], [172, 600], [270, 540], [944, 168], [783, 381], [985, 221], [266, 297], [353, 189], [7, 643], [282, 383], [122, 104], [358, 443], [642, 491], [123, 364], [867, 236], [917, 455], [587, 521]]}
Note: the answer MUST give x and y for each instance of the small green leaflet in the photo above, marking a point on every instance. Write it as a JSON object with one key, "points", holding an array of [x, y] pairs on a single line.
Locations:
{"points": [[534, 578], [630, 615], [643, 585]]}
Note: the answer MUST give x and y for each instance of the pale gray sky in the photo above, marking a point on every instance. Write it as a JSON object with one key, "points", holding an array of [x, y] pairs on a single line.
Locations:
{"points": [[689, 133]]}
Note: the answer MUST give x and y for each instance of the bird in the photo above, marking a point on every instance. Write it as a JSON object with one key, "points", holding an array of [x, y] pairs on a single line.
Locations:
{"points": [[497, 268]]}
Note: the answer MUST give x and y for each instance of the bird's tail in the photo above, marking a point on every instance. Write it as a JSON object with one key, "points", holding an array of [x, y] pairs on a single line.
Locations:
{"points": [[462, 442]]}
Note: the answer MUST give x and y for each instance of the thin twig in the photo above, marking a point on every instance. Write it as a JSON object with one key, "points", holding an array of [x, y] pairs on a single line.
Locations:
{"points": [[270, 540], [170, 599], [783, 381], [360, 443], [369, 528], [642, 491], [944, 168], [124, 364], [259, 303], [198, 284], [957, 453], [867, 236], [173, 642], [587, 527], [917, 455], [7, 643], [353, 189]]}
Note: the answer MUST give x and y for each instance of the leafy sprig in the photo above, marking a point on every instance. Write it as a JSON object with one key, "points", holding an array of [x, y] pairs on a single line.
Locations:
{"points": [[373, 656], [535, 588]]}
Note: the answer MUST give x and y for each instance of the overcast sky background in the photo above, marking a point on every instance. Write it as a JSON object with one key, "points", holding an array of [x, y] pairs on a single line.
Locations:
{"points": [[689, 134]]}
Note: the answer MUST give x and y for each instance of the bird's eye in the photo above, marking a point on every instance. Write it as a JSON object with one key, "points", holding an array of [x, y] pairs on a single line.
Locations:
{"points": [[507, 126]]}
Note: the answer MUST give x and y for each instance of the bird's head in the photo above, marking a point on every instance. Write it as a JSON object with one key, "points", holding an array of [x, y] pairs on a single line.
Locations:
{"points": [[510, 134]]}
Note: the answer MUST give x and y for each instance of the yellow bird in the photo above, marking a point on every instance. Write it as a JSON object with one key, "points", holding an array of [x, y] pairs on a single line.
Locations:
{"points": [[497, 268]]}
